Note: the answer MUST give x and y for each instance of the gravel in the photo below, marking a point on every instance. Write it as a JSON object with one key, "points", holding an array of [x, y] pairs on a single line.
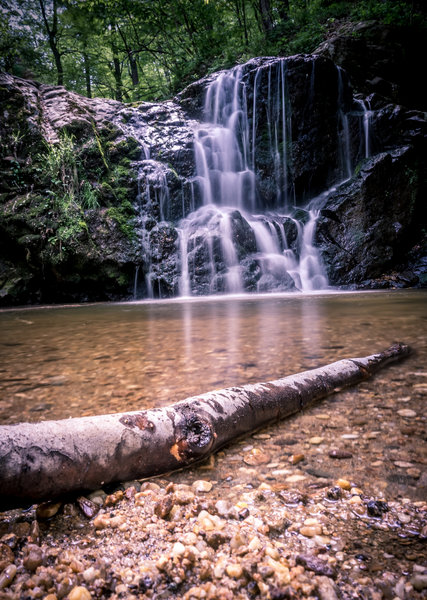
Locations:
{"points": [[284, 513]]}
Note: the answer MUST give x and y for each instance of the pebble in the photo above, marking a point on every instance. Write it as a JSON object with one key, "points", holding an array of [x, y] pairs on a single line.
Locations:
{"points": [[79, 593], [209, 522], [178, 549], [312, 529], [90, 574], [414, 472], [312, 563], [223, 508], [163, 507], [113, 499], [88, 507], [256, 457], [33, 557], [47, 510], [202, 486], [316, 440], [234, 570], [419, 581], [334, 493], [404, 518], [183, 497], [104, 521], [6, 556], [295, 478], [340, 454], [350, 436], [344, 484], [407, 412], [376, 508], [7, 576], [296, 458], [326, 589]]}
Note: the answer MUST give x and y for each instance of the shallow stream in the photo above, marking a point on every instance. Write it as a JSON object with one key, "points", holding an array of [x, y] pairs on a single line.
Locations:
{"points": [[329, 503], [61, 362]]}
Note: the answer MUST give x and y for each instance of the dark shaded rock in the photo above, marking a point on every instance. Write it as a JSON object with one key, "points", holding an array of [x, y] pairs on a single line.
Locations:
{"points": [[33, 557], [380, 58], [312, 563], [334, 493], [216, 538], [376, 508], [339, 454], [87, 507], [370, 223], [163, 507]]}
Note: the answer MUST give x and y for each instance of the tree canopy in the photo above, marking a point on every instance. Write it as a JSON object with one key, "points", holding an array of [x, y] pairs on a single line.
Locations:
{"points": [[149, 49]]}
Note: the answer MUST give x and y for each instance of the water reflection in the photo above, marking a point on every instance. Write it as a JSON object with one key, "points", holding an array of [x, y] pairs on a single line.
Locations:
{"points": [[312, 323], [61, 362]]}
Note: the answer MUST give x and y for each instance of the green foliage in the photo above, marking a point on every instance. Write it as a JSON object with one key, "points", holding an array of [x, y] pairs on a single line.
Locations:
{"points": [[68, 194], [390, 12], [59, 168], [123, 215], [149, 49]]}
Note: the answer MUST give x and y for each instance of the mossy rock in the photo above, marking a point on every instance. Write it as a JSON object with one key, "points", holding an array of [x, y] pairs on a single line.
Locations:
{"points": [[125, 151]]}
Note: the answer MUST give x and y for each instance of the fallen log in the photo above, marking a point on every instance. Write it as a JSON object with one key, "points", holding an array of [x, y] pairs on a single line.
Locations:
{"points": [[40, 461]]}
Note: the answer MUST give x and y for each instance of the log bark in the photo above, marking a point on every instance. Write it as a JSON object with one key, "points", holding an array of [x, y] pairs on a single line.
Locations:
{"points": [[46, 460]]}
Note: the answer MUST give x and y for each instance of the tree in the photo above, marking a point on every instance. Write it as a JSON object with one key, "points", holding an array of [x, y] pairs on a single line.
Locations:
{"points": [[54, 35], [150, 49]]}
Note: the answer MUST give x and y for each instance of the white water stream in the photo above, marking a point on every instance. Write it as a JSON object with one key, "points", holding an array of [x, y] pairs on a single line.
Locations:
{"points": [[229, 241], [225, 152]]}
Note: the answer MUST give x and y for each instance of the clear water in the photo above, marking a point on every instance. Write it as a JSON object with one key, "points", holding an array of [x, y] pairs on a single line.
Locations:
{"points": [[62, 362]]}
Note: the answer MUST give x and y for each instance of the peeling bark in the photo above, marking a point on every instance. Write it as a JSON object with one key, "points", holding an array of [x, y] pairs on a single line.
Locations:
{"points": [[40, 461]]}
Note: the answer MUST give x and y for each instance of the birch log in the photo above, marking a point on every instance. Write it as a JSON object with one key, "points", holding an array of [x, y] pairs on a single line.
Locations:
{"points": [[40, 461]]}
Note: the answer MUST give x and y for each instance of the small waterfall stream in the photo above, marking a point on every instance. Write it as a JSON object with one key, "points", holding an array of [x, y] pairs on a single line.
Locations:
{"points": [[237, 234], [226, 158]]}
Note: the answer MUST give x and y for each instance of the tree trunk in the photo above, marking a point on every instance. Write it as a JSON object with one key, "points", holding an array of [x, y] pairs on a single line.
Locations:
{"points": [[86, 63], [116, 66], [52, 34], [45, 460], [266, 17], [133, 70]]}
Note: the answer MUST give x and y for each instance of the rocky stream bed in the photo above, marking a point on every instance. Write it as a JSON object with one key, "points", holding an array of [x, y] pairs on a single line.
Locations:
{"points": [[330, 504]]}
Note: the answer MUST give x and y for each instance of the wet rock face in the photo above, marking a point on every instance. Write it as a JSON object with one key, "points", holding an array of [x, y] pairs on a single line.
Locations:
{"points": [[79, 240], [380, 59], [311, 85], [369, 225]]}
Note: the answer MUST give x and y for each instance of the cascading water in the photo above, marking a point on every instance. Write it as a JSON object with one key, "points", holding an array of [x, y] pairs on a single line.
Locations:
{"points": [[244, 218], [226, 163]]}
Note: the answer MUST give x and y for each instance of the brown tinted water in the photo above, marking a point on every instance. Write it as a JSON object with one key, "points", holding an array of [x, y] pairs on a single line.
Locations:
{"points": [[62, 362], [335, 496]]}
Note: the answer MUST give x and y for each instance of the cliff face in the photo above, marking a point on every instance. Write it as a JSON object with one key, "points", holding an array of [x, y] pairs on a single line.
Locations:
{"points": [[68, 218], [372, 232], [97, 198]]}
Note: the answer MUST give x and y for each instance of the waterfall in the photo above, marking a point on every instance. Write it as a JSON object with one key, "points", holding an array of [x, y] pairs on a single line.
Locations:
{"points": [[366, 120], [237, 224], [210, 239], [344, 143]]}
